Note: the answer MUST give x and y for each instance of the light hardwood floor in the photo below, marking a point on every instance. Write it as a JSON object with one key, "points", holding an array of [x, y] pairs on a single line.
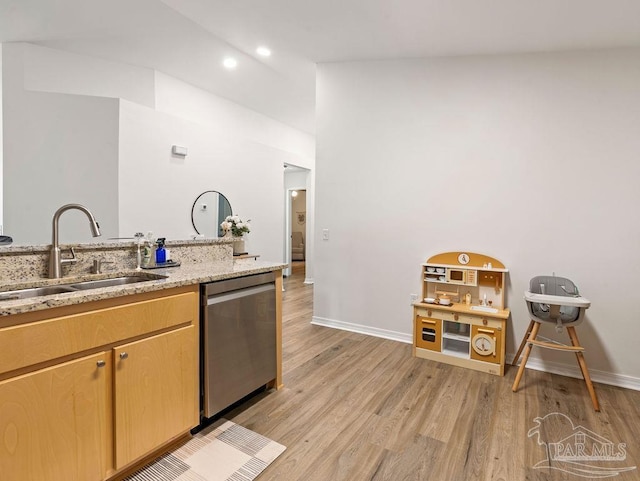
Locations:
{"points": [[356, 407]]}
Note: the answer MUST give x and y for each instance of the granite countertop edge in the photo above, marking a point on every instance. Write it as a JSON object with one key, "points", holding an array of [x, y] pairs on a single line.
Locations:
{"points": [[184, 275]]}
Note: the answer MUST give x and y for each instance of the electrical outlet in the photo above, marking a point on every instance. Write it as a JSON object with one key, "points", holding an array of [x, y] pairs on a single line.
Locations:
{"points": [[414, 298]]}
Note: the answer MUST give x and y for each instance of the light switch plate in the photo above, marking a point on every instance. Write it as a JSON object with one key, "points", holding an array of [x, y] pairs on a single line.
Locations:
{"points": [[325, 234]]}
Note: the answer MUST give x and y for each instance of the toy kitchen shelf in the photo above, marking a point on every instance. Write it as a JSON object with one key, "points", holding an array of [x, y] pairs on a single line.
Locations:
{"points": [[462, 317]]}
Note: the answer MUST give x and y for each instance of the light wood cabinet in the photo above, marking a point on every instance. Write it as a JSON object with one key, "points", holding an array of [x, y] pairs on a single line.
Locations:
{"points": [[72, 408], [155, 392], [461, 319], [54, 422]]}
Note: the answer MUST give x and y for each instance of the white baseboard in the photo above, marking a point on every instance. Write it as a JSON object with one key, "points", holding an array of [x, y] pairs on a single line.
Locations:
{"points": [[361, 329], [308, 280], [619, 380]]}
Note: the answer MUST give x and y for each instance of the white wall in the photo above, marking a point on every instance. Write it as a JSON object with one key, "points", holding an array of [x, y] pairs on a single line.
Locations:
{"points": [[157, 189], [532, 159], [58, 149], [52, 70], [1, 142], [232, 149], [227, 118], [272, 141]]}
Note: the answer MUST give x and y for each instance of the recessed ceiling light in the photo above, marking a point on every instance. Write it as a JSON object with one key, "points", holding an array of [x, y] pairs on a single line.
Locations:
{"points": [[230, 63], [263, 51]]}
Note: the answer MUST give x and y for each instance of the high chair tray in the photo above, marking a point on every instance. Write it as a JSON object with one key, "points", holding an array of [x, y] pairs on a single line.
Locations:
{"points": [[557, 300]]}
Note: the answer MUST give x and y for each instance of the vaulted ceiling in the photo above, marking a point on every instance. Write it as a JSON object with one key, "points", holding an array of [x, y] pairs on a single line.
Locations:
{"points": [[189, 39]]}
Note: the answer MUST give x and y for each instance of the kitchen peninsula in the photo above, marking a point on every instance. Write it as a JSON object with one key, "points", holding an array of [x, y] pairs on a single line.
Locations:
{"points": [[94, 381]]}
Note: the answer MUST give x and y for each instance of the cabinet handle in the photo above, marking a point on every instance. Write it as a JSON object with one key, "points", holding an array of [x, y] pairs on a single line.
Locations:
{"points": [[424, 321], [429, 313], [455, 317], [124, 355], [486, 331], [101, 363]]}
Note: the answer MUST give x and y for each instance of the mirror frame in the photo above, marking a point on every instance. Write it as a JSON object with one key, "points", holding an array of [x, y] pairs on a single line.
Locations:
{"points": [[193, 222]]}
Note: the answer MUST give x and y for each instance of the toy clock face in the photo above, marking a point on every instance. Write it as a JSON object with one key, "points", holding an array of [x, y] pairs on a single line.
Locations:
{"points": [[463, 259], [483, 344]]}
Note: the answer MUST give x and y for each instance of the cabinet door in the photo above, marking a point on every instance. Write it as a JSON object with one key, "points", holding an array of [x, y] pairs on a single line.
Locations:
{"points": [[486, 344], [428, 333], [54, 423], [155, 392]]}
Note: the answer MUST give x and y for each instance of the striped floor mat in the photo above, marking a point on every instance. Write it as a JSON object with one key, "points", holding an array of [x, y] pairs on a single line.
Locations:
{"points": [[223, 451]]}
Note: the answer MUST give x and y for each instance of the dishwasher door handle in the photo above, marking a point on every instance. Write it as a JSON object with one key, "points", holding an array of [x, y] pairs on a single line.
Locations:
{"points": [[249, 291]]}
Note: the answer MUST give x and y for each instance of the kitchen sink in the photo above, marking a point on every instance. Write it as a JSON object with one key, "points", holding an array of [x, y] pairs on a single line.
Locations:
{"points": [[117, 281], [34, 292], [77, 286], [484, 309]]}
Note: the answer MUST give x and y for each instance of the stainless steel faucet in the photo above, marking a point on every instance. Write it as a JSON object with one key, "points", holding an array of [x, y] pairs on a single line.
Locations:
{"points": [[55, 259]]}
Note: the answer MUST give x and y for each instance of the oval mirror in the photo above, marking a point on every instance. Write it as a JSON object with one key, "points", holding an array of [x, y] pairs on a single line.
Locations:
{"points": [[209, 210]]}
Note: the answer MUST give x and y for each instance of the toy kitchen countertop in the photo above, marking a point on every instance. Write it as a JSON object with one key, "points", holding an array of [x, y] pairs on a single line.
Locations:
{"points": [[462, 308]]}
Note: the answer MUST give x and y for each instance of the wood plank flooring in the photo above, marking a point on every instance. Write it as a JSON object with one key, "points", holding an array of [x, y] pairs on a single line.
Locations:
{"points": [[355, 407]]}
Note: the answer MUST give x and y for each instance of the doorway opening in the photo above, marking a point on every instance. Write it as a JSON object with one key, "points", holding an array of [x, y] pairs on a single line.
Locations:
{"points": [[298, 228], [297, 220]]}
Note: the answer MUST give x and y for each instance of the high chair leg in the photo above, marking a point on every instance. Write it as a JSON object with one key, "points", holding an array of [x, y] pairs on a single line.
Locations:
{"points": [[523, 343], [525, 357], [583, 367]]}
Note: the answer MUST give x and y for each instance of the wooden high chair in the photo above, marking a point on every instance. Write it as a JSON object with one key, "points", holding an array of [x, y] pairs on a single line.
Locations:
{"points": [[554, 300]]}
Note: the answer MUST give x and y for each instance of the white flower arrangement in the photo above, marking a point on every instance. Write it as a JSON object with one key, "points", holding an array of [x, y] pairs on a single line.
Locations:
{"points": [[236, 226]]}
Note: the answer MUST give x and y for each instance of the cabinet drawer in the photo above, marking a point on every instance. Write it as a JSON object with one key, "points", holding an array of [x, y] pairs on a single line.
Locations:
{"points": [[481, 321], [446, 314], [437, 313], [428, 333], [28, 344]]}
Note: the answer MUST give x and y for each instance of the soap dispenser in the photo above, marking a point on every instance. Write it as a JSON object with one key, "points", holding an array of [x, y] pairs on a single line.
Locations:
{"points": [[467, 298], [161, 254]]}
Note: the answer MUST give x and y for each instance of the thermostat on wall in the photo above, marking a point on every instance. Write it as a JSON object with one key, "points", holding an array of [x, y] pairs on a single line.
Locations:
{"points": [[179, 150]]}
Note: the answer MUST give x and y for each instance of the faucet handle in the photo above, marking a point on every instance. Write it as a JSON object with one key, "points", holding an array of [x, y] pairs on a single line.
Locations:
{"points": [[97, 265], [71, 259]]}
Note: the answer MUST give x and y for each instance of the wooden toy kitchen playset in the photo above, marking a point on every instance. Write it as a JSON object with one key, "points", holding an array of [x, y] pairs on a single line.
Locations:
{"points": [[462, 317]]}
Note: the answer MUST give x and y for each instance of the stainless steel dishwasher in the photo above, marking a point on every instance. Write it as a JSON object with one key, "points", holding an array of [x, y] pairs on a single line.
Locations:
{"points": [[238, 339]]}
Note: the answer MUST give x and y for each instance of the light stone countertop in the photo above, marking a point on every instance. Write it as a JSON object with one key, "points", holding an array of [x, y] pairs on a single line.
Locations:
{"points": [[183, 275]]}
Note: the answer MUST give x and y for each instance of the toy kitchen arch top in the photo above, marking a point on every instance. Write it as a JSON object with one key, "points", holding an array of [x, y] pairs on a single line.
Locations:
{"points": [[461, 319]]}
